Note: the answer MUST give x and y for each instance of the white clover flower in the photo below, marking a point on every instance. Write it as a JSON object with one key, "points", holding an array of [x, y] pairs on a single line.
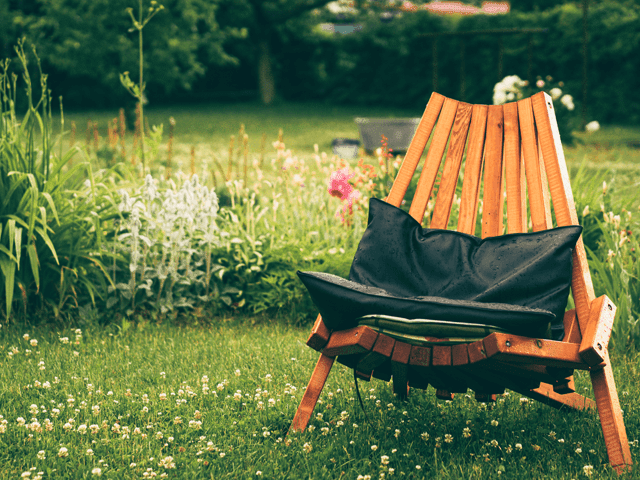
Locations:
{"points": [[41, 455], [63, 452], [96, 471]]}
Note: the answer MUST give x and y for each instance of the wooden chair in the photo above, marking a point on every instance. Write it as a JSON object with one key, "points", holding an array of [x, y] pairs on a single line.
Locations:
{"points": [[504, 145]]}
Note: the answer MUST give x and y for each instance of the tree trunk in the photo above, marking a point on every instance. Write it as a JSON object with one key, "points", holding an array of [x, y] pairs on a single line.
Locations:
{"points": [[266, 79]]}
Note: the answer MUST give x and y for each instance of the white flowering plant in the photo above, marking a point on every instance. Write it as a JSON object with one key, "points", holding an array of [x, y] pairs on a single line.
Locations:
{"points": [[165, 240], [512, 88]]}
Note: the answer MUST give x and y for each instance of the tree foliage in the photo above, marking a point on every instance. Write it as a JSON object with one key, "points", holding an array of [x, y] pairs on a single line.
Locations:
{"points": [[87, 44]]}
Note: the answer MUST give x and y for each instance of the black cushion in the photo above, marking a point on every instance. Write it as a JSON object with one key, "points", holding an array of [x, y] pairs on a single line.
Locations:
{"points": [[404, 263], [341, 302]]}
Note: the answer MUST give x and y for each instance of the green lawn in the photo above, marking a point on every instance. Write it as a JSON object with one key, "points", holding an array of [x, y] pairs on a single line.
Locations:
{"points": [[304, 124], [216, 403]]}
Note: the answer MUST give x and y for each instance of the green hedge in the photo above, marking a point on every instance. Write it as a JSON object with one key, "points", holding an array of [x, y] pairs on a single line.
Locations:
{"points": [[391, 63]]}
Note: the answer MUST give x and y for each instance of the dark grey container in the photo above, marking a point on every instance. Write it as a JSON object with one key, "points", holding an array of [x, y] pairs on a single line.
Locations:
{"points": [[399, 132]]}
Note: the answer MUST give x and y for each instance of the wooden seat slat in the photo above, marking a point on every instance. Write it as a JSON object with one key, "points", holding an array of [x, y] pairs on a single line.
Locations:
{"points": [[350, 342], [419, 375], [514, 172], [381, 352], [473, 170], [412, 157], [434, 158], [492, 196], [538, 204], [459, 355], [451, 169]]}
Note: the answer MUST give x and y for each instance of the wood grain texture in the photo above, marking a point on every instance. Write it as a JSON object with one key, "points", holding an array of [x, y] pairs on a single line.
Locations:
{"points": [[615, 435], [595, 340], [319, 335], [380, 353], [514, 348], [492, 196], [562, 197], [571, 327], [451, 169], [412, 157], [516, 194], [350, 342], [540, 216], [434, 158], [473, 170], [312, 393], [420, 373]]}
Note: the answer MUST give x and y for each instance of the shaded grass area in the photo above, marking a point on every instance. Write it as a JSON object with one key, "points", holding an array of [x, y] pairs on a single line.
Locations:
{"points": [[304, 124], [218, 401]]}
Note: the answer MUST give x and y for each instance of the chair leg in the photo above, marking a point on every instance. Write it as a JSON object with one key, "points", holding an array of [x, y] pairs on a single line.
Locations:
{"points": [[615, 435], [312, 393]]}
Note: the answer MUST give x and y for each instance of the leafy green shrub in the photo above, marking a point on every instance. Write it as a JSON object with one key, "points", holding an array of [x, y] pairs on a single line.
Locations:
{"points": [[50, 215]]}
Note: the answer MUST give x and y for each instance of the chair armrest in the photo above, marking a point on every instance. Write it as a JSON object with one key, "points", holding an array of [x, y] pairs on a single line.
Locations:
{"points": [[595, 341], [319, 335]]}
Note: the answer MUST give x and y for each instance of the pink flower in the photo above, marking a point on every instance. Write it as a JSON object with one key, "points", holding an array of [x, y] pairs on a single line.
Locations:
{"points": [[540, 83], [339, 185], [347, 206]]}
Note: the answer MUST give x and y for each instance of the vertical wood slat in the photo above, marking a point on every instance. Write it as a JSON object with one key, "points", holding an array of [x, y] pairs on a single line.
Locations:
{"points": [[516, 205], [545, 188], [451, 169], [472, 171], [563, 204], [615, 435], [492, 199], [412, 157], [538, 205], [433, 160]]}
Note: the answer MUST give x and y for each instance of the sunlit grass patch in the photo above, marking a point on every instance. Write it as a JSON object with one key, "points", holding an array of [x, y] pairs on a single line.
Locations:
{"points": [[217, 403]]}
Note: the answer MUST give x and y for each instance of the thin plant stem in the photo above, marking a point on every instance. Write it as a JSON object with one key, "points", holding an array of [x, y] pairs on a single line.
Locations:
{"points": [[141, 99]]}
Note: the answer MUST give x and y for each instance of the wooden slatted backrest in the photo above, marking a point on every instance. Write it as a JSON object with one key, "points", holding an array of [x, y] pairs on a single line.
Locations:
{"points": [[511, 149]]}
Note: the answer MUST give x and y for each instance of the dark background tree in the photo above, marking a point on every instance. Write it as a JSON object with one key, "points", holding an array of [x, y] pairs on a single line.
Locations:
{"points": [[265, 20], [201, 50], [85, 45]]}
